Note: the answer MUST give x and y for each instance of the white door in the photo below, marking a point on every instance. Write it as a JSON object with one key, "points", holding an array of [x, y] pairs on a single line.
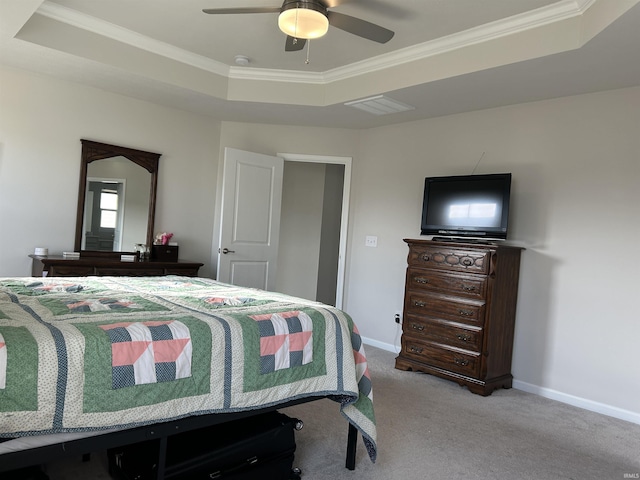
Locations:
{"points": [[250, 223]]}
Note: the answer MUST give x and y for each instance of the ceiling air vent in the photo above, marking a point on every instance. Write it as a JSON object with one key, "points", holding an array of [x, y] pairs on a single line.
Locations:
{"points": [[379, 105]]}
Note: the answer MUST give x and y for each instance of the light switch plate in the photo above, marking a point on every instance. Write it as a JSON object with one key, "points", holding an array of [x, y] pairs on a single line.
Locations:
{"points": [[371, 241]]}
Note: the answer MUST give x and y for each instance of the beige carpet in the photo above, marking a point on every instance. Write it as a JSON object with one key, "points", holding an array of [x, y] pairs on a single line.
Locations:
{"points": [[430, 428]]}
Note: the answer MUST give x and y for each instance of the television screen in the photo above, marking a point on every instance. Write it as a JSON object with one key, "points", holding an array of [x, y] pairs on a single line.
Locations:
{"points": [[467, 205]]}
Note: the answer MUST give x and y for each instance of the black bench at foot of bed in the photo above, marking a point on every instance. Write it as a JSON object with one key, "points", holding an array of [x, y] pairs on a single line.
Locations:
{"points": [[158, 431]]}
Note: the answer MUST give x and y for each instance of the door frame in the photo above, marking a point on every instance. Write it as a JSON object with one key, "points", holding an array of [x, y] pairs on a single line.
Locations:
{"points": [[122, 190], [344, 219]]}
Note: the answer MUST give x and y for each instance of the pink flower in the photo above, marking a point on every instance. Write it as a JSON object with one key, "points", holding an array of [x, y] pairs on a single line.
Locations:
{"points": [[162, 238], [166, 237]]}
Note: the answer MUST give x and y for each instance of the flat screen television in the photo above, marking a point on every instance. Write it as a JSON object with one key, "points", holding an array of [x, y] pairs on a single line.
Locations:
{"points": [[467, 206]]}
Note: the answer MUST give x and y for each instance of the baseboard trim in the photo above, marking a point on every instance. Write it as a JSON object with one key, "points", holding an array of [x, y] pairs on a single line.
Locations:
{"points": [[579, 402], [384, 346], [549, 393]]}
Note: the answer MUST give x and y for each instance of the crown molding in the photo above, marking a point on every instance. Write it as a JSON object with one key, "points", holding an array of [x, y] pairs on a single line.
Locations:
{"points": [[272, 75], [126, 36], [541, 17], [538, 18], [583, 5]]}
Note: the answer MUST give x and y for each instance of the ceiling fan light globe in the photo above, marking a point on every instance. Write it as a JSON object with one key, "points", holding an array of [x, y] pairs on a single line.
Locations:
{"points": [[303, 23]]}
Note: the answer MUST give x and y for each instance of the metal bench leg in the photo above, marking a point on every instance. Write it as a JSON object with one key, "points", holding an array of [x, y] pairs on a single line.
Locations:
{"points": [[352, 440]]}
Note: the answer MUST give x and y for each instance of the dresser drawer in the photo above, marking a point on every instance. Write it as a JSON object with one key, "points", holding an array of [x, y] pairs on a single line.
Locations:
{"points": [[449, 283], [129, 272], [186, 272], [449, 308], [459, 312], [449, 258], [108, 264], [455, 334], [460, 361], [70, 271]]}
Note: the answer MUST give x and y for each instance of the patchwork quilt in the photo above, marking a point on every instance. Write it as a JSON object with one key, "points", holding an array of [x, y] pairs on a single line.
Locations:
{"points": [[93, 353]]}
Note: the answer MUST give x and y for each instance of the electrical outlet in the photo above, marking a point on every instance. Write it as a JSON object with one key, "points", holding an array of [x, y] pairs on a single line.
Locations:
{"points": [[397, 318], [371, 241]]}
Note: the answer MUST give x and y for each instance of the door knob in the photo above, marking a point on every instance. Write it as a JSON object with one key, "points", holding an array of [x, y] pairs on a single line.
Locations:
{"points": [[226, 250]]}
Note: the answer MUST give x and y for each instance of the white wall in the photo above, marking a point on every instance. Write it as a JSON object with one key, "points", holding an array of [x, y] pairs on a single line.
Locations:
{"points": [[41, 124], [300, 229], [576, 172], [576, 208]]}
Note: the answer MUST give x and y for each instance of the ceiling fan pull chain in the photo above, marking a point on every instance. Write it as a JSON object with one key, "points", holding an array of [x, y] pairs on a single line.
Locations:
{"points": [[308, 48]]}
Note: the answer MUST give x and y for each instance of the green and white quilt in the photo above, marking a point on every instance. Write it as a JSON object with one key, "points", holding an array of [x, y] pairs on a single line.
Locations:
{"points": [[93, 353]]}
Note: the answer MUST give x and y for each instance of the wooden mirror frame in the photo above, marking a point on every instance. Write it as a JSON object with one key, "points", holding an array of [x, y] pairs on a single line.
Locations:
{"points": [[92, 151]]}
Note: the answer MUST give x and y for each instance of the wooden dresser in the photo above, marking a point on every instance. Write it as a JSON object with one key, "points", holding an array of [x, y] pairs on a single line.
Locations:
{"points": [[59, 266], [459, 312]]}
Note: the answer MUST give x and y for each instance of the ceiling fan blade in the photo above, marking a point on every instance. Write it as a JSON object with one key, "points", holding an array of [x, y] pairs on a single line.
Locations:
{"points": [[217, 11], [360, 27], [334, 3], [294, 44]]}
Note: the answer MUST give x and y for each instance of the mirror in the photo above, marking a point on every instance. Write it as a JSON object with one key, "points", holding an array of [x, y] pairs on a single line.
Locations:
{"points": [[116, 198]]}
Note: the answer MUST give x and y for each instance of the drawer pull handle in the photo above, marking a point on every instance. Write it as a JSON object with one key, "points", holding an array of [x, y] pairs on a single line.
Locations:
{"points": [[463, 337], [421, 280], [466, 313], [420, 304], [425, 257], [467, 262], [415, 349], [461, 361], [415, 326], [468, 288]]}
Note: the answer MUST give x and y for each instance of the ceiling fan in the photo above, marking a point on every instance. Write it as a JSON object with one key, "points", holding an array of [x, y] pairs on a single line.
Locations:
{"points": [[302, 20]]}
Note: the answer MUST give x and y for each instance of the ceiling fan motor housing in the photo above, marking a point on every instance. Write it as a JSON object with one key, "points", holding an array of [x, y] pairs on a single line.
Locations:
{"points": [[305, 4], [306, 19], [303, 18]]}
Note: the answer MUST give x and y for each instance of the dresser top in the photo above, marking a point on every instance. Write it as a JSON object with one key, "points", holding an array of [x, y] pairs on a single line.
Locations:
{"points": [[465, 243], [109, 261]]}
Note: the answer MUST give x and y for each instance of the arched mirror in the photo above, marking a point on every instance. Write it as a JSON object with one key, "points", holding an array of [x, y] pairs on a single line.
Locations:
{"points": [[116, 198]]}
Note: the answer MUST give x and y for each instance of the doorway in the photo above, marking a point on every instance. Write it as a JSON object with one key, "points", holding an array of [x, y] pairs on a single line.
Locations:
{"points": [[322, 267], [314, 220]]}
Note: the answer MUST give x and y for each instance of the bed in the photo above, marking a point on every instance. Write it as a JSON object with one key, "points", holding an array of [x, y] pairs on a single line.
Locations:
{"points": [[88, 363]]}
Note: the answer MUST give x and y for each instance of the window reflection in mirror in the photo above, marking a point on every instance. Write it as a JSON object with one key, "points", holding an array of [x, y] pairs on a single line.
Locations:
{"points": [[116, 205]]}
